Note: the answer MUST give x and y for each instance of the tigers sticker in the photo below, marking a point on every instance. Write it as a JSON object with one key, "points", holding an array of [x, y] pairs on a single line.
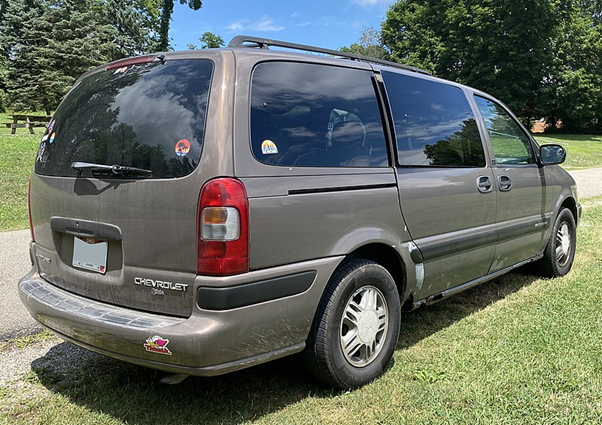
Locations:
{"points": [[268, 147]]}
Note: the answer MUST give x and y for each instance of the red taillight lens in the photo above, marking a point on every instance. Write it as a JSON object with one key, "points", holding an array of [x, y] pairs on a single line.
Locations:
{"points": [[29, 209], [131, 61], [223, 228]]}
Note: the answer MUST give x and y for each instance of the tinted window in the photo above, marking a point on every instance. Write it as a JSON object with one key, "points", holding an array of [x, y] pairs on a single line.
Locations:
{"points": [[434, 124], [510, 144], [149, 116], [315, 115]]}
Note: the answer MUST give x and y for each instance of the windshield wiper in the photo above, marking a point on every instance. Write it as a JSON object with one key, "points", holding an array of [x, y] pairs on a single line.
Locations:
{"points": [[117, 170]]}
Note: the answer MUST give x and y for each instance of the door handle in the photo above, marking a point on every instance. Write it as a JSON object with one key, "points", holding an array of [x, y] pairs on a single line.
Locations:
{"points": [[505, 184], [484, 184]]}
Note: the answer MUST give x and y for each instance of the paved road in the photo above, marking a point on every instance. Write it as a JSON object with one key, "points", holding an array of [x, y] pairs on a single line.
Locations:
{"points": [[15, 321], [588, 182], [14, 263]]}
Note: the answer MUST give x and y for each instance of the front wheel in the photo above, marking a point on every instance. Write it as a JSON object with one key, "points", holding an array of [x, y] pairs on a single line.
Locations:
{"points": [[560, 251], [356, 328]]}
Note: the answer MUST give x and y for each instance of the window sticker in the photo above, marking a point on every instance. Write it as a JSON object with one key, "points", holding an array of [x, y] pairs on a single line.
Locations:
{"points": [[268, 147], [45, 137], [182, 147], [121, 70], [52, 138], [41, 153], [51, 125]]}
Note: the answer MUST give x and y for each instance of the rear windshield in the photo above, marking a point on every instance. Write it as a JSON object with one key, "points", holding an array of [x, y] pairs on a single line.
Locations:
{"points": [[149, 116]]}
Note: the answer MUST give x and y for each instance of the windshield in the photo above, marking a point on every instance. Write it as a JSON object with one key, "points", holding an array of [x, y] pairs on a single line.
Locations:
{"points": [[149, 116]]}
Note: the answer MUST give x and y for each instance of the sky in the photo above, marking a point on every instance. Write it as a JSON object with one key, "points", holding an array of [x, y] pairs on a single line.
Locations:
{"points": [[330, 24]]}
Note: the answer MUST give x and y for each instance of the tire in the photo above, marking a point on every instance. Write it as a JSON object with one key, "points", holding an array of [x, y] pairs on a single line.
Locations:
{"points": [[560, 250], [356, 328]]}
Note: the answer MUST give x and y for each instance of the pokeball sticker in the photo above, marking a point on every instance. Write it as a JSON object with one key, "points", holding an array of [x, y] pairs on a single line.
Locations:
{"points": [[52, 138], [268, 147], [182, 147], [51, 125], [121, 70]]}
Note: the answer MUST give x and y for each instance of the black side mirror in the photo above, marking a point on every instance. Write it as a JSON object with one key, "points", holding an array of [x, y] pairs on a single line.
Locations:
{"points": [[552, 154]]}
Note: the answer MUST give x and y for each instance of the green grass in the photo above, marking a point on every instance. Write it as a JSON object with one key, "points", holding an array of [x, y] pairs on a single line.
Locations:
{"points": [[17, 154], [583, 151], [519, 349]]}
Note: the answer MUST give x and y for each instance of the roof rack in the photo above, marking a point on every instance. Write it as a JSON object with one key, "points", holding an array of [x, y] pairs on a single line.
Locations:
{"points": [[264, 43]]}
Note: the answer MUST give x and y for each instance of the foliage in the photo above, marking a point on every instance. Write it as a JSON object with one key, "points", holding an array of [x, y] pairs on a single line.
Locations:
{"points": [[572, 95], [23, 36], [209, 40], [3, 81], [165, 20], [370, 44], [133, 23], [542, 57], [47, 44]]}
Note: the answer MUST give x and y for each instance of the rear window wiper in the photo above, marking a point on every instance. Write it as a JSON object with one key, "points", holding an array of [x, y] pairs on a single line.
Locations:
{"points": [[117, 170]]}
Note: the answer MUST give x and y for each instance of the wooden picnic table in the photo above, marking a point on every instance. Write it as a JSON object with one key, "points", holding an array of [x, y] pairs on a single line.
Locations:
{"points": [[30, 121]]}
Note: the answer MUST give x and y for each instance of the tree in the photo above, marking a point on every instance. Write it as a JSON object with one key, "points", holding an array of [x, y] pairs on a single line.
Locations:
{"points": [[23, 33], [501, 46], [211, 41], [49, 45], [369, 44], [165, 20], [134, 24], [572, 94]]}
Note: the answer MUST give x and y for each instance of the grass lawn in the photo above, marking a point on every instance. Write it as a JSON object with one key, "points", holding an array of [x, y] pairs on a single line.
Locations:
{"points": [[583, 151], [519, 349], [17, 154]]}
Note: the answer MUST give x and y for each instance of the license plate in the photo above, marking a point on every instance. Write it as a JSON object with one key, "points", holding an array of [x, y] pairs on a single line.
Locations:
{"points": [[90, 254]]}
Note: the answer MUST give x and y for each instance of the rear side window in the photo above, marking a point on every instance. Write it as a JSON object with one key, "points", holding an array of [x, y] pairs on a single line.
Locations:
{"points": [[510, 145], [434, 124], [315, 116], [150, 116]]}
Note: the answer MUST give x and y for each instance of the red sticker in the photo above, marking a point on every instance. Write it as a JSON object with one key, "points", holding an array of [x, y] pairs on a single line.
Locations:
{"points": [[182, 147]]}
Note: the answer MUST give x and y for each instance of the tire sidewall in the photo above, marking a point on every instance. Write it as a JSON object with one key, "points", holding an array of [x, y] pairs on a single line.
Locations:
{"points": [[374, 275], [565, 216]]}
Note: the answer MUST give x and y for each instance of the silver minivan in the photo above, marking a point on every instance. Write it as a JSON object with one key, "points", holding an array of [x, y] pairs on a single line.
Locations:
{"points": [[201, 212]]}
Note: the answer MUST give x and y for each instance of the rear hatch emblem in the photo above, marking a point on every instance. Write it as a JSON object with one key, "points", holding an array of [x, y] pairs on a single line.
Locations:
{"points": [[161, 284]]}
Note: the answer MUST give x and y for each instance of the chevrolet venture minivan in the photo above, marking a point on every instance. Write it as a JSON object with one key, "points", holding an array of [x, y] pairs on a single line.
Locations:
{"points": [[201, 212]]}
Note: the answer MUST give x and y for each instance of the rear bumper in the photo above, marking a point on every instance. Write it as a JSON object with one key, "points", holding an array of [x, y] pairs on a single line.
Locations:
{"points": [[209, 342]]}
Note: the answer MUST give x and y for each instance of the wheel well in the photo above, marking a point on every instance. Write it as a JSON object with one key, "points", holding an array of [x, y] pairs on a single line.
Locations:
{"points": [[386, 257], [572, 206]]}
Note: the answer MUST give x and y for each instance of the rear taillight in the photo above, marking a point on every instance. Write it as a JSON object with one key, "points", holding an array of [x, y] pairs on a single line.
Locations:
{"points": [[223, 228], [29, 209]]}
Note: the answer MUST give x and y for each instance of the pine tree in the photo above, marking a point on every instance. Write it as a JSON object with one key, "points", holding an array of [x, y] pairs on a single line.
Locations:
{"points": [[23, 35], [133, 24]]}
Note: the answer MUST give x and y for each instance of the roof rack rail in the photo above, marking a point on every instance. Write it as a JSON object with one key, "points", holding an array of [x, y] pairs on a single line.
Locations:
{"points": [[264, 43]]}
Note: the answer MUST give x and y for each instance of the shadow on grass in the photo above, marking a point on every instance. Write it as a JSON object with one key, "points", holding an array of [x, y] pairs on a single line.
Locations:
{"points": [[425, 321], [132, 394]]}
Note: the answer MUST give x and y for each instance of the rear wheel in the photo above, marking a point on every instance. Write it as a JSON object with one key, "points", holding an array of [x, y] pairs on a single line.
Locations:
{"points": [[560, 251], [356, 328]]}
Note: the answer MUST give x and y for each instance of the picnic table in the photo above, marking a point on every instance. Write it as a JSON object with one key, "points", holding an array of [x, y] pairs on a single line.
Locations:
{"points": [[28, 121]]}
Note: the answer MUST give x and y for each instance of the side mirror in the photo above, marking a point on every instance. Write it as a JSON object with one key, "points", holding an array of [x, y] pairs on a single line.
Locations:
{"points": [[552, 154]]}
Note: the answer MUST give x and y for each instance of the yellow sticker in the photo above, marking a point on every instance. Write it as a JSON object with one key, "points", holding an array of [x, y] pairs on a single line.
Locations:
{"points": [[268, 147]]}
